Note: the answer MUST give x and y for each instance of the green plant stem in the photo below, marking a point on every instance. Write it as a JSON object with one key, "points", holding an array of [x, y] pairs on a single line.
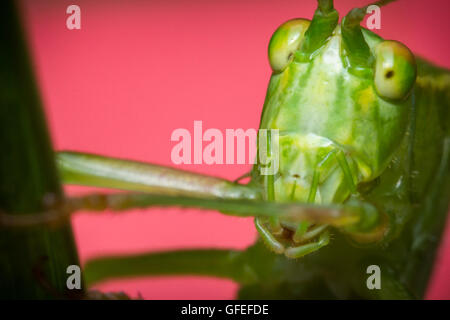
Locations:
{"points": [[33, 262]]}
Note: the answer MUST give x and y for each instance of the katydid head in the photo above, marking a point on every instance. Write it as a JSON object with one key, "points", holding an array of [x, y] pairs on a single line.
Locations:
{"points": [[335, 89]]}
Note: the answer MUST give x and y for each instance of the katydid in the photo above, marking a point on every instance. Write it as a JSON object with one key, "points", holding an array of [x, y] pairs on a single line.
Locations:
{"points": [[363, 175]]}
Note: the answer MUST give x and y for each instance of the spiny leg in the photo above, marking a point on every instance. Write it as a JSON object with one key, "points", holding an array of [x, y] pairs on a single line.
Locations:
{"points": [[267, 237], [310, 234], [274, 222], [342, 160], [317, 175], [302, 250], [337, 215], [106, 172], [301, 233], [269, 183], [302, 226], [172, 190]]}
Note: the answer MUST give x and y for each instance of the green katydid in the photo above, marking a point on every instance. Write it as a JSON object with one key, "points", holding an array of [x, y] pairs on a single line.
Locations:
{"points": [[363, 175]]}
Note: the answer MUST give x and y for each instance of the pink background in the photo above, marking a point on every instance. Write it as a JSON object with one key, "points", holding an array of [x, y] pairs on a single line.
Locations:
{"points": [[137, 70]]}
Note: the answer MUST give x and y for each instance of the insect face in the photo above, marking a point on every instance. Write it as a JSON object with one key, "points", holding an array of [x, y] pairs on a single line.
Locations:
{"points": [[339, 98], [341, 107]]}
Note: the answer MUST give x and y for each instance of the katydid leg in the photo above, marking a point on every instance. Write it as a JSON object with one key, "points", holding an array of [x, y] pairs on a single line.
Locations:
{"points": [[302, 250], [268, 238], [106, 172]]}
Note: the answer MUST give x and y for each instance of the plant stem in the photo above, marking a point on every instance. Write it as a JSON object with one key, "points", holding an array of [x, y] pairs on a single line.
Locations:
{"points": [[33, 262]]}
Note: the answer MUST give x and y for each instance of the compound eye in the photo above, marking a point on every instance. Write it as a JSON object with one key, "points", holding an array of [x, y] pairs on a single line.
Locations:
{"points": [[285, 41], [395, 70]]}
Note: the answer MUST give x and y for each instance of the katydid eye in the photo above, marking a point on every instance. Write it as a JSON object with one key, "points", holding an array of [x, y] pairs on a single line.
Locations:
{"points": [[395, 70], [285, 41]]}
